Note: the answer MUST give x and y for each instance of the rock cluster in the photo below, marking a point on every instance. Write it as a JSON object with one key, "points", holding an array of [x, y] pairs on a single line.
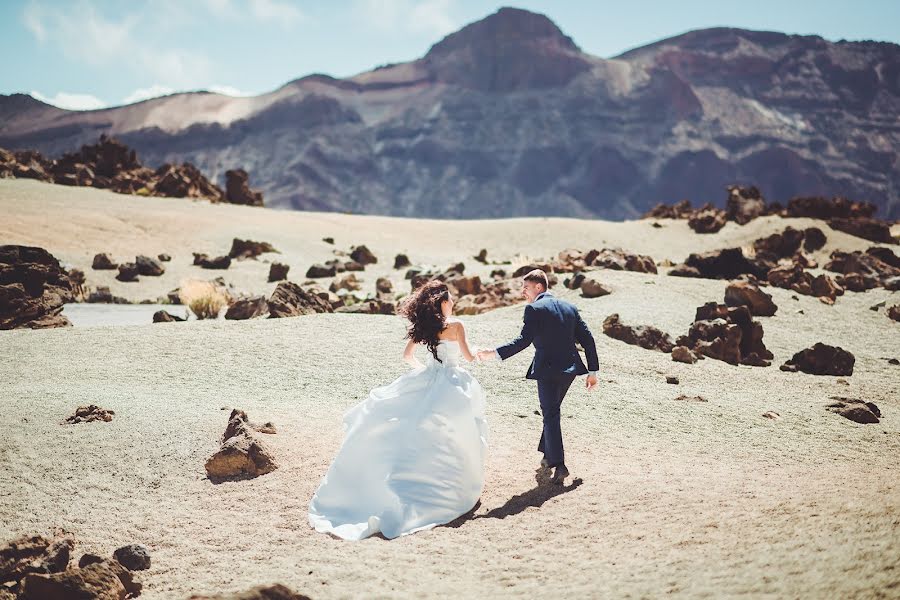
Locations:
{"points": [[109, 164], [33, 288], [37, 568], [291, 300], [860, 271], [242, 452], [727, 333]]}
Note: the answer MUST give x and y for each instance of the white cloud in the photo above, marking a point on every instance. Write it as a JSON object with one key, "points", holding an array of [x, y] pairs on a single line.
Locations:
{"points": [[154, 91], [228, 90], [285, 13], [430, 17], [85, 35], [71, 101]]}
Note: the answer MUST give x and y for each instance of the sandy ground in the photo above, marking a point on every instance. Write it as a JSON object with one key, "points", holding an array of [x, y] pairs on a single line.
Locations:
{"points": [[688, 499]]}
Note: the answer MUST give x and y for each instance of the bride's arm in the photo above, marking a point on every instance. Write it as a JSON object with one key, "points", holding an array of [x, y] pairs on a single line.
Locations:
{"points": [[409, 355], [463, 343]]}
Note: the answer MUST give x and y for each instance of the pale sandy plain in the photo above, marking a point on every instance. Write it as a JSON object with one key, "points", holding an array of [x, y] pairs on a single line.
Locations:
{"points": [[673, 498]]}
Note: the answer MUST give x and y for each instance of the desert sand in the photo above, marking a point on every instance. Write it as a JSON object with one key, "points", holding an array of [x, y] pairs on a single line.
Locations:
{"points": [[680, 498]]}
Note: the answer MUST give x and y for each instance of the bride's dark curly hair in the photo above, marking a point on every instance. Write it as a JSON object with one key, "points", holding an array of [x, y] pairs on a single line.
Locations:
{"points": [[423, 309]]}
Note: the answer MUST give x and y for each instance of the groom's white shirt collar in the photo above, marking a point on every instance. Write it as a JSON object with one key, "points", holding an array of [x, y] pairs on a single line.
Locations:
{"points": [[542, 294]]}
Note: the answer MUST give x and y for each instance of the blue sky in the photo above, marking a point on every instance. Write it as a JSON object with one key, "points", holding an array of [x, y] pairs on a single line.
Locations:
{"points": [[94, 53]]}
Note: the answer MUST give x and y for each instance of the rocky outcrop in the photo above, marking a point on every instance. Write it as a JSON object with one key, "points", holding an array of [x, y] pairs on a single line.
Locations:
{"points": [[34, 554], [794, 277], [645, 336], [818, 207], [822, 359], [707, 219], [33, 289], [868, 229], [728, 334], [237, 189], [290, 300], [242, 453], [618, 260], [104, 580]]}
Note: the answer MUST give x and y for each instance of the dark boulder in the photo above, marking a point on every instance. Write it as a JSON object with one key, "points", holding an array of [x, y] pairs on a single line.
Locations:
{"points": [[103, 261], [821, 359], [241, 249], [237, 189], [33, 288], [278, 271], [645, 336], [290, 300], [149, 266]]}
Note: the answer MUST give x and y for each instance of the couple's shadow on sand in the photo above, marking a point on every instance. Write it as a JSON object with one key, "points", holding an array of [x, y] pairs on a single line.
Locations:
{"points": [[535, 497]]}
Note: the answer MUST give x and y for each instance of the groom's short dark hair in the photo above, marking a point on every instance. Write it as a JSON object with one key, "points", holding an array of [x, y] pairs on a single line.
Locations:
{"points": [[537, 276]]}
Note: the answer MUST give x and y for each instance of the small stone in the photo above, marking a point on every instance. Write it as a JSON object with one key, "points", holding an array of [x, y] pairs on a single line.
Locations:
{"points": [[164, 257], [683, 354], [771, 414], [328, 240], [683, 398], [672, 379]]}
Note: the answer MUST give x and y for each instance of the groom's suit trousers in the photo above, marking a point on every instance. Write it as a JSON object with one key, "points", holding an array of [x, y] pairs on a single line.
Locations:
{"points": [[551, 391]]}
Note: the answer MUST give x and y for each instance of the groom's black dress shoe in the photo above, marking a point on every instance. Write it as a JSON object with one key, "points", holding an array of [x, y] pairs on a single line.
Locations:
{"points": [[560, 474]]}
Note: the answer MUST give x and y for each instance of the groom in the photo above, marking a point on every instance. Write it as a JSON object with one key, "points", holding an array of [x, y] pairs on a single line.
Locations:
{"points": [[553, 326]]}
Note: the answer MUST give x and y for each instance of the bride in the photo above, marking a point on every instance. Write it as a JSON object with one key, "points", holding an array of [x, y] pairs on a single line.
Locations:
{"points": [[413, 451]]}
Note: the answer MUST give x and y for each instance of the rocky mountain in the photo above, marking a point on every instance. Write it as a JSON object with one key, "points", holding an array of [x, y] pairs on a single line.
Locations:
{"points": [[508, 117]]}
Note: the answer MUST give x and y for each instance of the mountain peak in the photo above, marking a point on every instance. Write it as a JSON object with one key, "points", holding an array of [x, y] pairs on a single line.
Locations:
{"points": [[508, 50]]}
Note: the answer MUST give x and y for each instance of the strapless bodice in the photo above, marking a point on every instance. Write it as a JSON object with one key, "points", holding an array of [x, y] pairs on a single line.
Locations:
{"points": [[449, 353]]}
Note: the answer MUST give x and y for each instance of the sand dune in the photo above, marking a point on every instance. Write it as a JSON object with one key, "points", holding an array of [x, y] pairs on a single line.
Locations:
{"points": [[691, 499]]}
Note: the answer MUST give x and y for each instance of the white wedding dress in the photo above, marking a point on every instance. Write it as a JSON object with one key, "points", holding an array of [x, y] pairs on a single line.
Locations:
{"points": [[412, 457]]}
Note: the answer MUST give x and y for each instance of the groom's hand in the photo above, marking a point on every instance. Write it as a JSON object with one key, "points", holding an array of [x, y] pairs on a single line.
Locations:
{"points": [[591, 382], [486, 355]]}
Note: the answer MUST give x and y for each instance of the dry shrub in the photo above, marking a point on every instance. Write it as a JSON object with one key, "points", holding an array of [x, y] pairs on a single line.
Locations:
{"points": [[205, 299]]}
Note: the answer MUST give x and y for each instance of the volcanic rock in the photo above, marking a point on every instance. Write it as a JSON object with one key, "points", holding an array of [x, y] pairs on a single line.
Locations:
{"points": [[401, 261], [728, 263], [728, 334], [645, 336], [242, 452], [149, 266], [742, 293], [88, 414], [856, 410], [744, 204], [247, 308], [162, 316], [317, 271], [103, 261], [363, 255], [591, 288], [241, 249], [290, 300], [707, 220], [237, 189], [821, 359], [683, 354], [34, 554], [205, 262], [869, 229], [33, 288], [270, 592], [278, 271]]}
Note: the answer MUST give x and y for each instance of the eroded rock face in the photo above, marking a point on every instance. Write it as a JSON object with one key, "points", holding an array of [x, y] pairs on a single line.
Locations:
{"points": [[822, 359], [645, 336], [237, 189], [242, 452], [33, 289], [856, 410], [290, 300], [728, 334]]}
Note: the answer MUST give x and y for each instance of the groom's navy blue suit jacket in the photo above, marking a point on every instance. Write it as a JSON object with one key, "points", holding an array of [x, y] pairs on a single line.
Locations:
{"points": [[553, 326]]}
